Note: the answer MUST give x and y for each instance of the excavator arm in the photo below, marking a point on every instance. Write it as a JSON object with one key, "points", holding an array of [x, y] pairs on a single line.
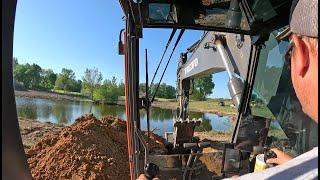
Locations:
{"points": [[213, 53]]}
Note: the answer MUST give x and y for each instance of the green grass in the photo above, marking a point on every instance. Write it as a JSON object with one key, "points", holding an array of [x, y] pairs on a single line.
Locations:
{"points": [[123, 98], [213, 132], [77, 94], [210, 105], [165, 100]]}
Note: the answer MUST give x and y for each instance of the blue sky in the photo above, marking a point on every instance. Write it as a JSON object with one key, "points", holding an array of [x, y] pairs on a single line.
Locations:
{"points": [[80, 34]]}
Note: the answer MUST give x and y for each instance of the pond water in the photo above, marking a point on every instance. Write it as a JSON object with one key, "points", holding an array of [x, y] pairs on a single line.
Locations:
{"points": [[65, 112]]}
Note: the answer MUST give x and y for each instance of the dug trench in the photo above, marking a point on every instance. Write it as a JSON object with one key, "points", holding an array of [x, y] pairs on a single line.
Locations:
{"points": [[92, 148]]}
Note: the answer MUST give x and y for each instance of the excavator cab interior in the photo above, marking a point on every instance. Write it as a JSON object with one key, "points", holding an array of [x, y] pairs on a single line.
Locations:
{"points": [[241, 37]]}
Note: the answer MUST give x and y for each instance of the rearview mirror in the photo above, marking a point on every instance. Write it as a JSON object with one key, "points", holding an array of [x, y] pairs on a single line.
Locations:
{"points": [[120, 43], [120, 48]]}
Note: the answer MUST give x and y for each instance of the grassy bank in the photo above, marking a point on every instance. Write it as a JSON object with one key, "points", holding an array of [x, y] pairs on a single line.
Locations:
{"points": [[77, 94], [211, 105]]}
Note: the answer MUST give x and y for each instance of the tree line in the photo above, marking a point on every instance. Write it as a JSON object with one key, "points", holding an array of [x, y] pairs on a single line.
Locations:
{"points": [[200, 90], [32, 76], [92, 85], [164, 91]]}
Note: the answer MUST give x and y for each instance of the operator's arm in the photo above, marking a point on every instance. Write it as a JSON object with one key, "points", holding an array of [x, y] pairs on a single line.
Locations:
{"points": [[281, 157], [302, 167], [143, 177]]}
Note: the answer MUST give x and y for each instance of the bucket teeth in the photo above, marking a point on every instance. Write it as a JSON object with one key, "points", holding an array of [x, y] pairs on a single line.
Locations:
{"points": [[193, 120], [184, 130]]}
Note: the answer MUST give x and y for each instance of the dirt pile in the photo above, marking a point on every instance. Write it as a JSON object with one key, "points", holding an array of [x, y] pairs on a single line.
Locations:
{"points": [[115, 123], [88, 149], [32, 131]]}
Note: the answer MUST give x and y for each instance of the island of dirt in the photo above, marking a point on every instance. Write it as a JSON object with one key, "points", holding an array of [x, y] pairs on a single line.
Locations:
{"points": [[89, 149]]}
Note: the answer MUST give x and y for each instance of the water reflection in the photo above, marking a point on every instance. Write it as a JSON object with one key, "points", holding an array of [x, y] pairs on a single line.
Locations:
{"points": [[27, 112], [66, 112], [104, 109], [204, 126], [219, 123], [158, 114], [62, 113]]}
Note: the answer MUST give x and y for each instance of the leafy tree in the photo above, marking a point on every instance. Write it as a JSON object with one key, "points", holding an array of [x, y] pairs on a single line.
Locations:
{"points": [[169, 92], [142, 89], [28, 74], [109, 91], [91, 80], [160, 92], [48, 79], [164, 90], [202, 88], [65, 80], [121, 89], [77, 86], [99, 93]]}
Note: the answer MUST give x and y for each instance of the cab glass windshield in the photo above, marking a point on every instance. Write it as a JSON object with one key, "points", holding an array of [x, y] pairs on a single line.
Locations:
{"points": [[274, 97], [246, 17]]}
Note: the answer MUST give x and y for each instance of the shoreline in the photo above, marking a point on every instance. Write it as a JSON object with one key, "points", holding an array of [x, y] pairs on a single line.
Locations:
{"points": [[191, 109], [173, 106], [202, 107], [32, 131], [49, 95]]}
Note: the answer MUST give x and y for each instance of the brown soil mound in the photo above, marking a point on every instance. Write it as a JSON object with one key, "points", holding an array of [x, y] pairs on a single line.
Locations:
{"points": [[115, 122], [88, 149], [32, 131]]}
